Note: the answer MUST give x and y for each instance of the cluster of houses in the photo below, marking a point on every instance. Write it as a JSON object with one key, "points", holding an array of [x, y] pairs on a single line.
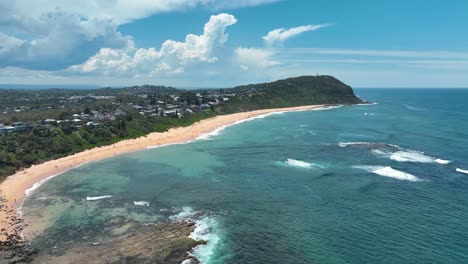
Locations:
{"points": [[171, 106], [90, 120], [15, 127], [78, 120]]}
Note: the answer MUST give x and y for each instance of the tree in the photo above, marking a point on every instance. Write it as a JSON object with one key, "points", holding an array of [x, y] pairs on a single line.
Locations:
{"points": [[65, 116], [87, 110]]}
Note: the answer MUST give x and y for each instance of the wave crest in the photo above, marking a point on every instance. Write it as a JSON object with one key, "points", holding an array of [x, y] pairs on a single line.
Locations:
{"points": [[95, 198], [298, 163], [141, 203], [389, 172], [206, 228]]}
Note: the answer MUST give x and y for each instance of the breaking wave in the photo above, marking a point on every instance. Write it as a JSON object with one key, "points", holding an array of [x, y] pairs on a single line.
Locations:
{"points": [[389, 172], [411, 156], [217, 131], [95, 198], [206, 228], [141, 203], [396, 153], [298, 163], [327, 108]]}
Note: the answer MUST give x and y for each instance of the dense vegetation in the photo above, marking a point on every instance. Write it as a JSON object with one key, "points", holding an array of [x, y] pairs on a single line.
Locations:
{"points": [[305, 90], [45, 142]]}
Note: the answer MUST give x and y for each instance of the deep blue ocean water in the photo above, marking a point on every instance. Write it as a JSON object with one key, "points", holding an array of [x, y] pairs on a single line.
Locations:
{"points": [[360, 184]]}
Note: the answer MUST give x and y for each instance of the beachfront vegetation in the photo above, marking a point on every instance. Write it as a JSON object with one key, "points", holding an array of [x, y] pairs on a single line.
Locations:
{"points": [[41, 125]]}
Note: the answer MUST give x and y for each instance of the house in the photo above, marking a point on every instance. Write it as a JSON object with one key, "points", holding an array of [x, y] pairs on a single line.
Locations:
{"points": [[49, 121], [6, 129]]}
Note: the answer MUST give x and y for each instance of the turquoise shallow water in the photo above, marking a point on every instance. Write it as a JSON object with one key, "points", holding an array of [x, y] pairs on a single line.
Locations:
{"points": [[361, 184]]}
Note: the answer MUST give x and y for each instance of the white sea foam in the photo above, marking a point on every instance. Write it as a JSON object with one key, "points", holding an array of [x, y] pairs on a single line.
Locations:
{"points": [[346, 144], [189, 261], [38, 184], [389, 172], [217, 131], [185, 213], [298, 163], [405, 155], [95, 198], [411, 156], [324, 108], [141, 203], [396, 153], [206, 229], [462, 171], [443, 162]]}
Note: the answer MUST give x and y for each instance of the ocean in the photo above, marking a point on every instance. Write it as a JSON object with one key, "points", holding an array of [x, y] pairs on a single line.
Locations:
{"points": [[380, 183]]}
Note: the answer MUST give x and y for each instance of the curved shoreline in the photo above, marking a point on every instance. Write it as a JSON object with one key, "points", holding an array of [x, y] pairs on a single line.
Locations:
{"points": [[16, 188]]}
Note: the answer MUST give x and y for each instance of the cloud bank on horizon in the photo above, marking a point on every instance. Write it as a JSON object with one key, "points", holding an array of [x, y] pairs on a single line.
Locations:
{"points": [[56, 41]]}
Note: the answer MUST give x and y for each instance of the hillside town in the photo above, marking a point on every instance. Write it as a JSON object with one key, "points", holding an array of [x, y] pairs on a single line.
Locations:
{"points": [[95, 110]]}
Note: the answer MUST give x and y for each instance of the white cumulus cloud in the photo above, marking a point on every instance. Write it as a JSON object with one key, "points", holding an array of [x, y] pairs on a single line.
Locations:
{"points": [[280, 35], [55, 34], [249, 58], [172, 57]]}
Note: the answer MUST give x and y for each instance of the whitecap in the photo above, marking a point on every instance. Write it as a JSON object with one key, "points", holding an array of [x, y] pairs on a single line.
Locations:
{"points": [[206, 229], [462, 171], [298, 163], [363, 143], [95, 198], [185, 213], [389, 172], [411, 156], [324, 108], [443, 162], [141, 203]]}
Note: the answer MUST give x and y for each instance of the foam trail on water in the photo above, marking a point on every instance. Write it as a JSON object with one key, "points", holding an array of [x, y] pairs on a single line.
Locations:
{"points": [[141, 203], [396, 153], [298, 163], [95, 198], [443, 162], [411, 156], [186, 213], [462, 171], [389, 172], [346, 144]]}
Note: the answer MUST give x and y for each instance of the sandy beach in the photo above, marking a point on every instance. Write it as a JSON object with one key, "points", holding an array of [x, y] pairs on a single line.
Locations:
{"points": [[16, 187]]}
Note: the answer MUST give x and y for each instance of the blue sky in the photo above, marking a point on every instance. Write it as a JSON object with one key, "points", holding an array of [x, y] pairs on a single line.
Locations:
{"points": [[220, 43]]}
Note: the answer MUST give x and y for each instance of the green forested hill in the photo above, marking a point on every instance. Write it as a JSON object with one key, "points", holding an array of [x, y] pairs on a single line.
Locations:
{"points": [[304, 90]]}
